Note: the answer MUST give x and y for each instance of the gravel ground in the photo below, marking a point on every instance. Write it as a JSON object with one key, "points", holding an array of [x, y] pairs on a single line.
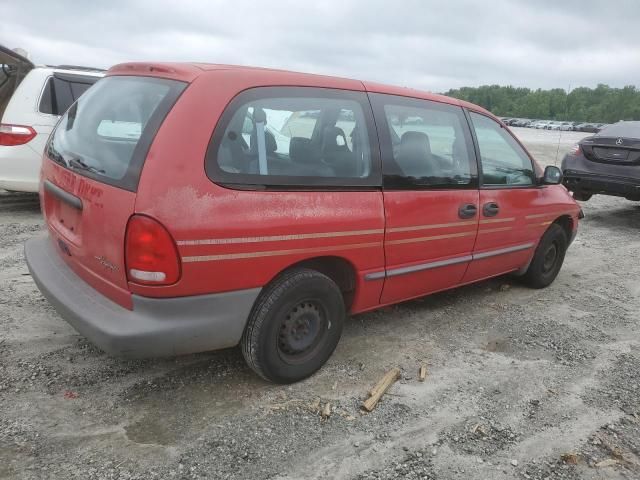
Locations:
{"points": [[526, 384]]}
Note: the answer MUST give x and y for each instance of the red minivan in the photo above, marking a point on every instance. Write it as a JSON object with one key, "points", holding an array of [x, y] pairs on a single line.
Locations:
{"points": [[193, 207]]}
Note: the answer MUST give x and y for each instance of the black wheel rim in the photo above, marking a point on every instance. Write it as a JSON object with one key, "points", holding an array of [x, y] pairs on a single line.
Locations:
{"points": [[302, 331], [550, 258]]}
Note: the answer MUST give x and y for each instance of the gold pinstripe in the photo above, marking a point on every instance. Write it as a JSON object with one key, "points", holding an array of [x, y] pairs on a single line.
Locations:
{"points": [[274, 253], [542, 215], [497, 220], [434, 237], [543, 224], [305, 236], [277, 238], [428, 227], [492, 230]]}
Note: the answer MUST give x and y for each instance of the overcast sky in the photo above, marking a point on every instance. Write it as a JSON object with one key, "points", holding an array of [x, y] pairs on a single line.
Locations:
{"points": [[432, 45]]}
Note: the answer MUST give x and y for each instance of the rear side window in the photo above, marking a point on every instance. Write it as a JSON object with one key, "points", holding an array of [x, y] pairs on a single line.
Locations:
{"points": [[61, 90], [106, 134], [504, 162], [426, 144], [295, 136]]}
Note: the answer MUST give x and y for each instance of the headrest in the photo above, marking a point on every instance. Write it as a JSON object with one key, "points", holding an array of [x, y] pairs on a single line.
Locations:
{"points": [[414, 139], [334, 139]]}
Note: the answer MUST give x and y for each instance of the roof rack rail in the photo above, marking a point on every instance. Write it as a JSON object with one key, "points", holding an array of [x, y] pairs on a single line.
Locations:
{"points": [[78, 67]]}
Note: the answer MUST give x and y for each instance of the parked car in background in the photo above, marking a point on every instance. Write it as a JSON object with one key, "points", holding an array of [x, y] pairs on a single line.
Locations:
{"points": [[606, 163], [175, 226], [541, 124], [32, 98], [566, 126], [588, 127], [521, 122]]}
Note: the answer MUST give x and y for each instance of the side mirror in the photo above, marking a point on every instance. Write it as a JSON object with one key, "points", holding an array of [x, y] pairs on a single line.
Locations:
{"points": [[552, 176]]}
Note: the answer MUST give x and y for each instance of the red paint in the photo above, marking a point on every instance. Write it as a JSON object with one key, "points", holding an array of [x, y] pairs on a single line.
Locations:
{"points": [[175, 191], [95, 235], [428, 209]]}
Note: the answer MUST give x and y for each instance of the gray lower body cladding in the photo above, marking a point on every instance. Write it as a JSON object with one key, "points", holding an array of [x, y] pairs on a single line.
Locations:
{"points": [[155, 327]]}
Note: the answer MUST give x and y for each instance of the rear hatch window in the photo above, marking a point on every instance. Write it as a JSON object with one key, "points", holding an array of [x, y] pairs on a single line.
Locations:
{"points": [[107, 133]]}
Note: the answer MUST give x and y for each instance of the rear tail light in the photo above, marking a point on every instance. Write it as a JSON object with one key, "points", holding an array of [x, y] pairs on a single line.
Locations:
{"points": [[575, 150], [151, 255], [11, 135]]}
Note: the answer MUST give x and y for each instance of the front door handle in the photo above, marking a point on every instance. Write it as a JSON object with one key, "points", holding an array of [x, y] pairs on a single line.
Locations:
{"points": [[467, 211], [490, 209]]}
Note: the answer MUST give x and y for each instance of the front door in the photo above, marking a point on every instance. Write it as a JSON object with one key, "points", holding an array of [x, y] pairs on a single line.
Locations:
{"points": [[430, 195], [508, 197]]}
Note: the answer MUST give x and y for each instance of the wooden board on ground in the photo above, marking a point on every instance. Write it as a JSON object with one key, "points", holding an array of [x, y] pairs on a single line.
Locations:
{"points": [[381, 387]]}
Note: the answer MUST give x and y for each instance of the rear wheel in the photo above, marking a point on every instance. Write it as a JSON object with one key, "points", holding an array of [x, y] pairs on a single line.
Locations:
{"points": [[548, 258], [294, 326]]}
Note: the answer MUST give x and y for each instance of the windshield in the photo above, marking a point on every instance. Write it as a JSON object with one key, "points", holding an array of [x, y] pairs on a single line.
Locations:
{"points": [[106, 134]]}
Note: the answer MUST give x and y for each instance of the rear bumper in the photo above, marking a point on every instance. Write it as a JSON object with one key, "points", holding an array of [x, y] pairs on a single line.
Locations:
{"points": [[592, 183], [155, 327]]}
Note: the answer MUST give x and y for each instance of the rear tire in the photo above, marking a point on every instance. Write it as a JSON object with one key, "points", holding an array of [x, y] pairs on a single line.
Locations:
{"points": [[548, 258], [294, 327]]}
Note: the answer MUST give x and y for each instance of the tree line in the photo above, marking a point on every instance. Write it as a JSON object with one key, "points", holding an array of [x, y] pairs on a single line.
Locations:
{"points": [[602, 104]]}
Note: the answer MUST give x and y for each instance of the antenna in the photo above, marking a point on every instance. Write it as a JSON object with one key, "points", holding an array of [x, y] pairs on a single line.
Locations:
{"points": [[566, 112]]}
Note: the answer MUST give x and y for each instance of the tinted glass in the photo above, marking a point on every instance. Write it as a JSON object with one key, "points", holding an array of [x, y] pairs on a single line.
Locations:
{"points": [[78, 89], [107, 132], [294, 136], [59, 94], [503, 160], [63, 97], [428, 143], [47, 99]]}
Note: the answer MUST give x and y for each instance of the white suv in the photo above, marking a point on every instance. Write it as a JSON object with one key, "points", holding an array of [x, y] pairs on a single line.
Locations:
{"points": [[32, 98]]}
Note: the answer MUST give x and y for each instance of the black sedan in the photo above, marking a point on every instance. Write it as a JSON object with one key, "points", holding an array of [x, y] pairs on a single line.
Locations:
{"points": [[606, 163]]}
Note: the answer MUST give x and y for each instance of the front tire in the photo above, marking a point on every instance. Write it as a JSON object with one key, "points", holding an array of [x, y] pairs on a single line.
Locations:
{"points": [[294, 327], [548, 258]]}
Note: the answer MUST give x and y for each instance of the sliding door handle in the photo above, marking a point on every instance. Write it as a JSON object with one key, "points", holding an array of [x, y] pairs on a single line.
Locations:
{"points": [[490, 209], [467, 211]]}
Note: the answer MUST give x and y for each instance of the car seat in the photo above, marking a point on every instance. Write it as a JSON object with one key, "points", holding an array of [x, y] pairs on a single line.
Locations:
{"points": [[413, 155]]}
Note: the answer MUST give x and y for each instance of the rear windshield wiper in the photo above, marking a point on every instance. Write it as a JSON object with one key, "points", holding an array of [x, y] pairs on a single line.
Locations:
{"points": [[79, 164], [56, 157]]}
